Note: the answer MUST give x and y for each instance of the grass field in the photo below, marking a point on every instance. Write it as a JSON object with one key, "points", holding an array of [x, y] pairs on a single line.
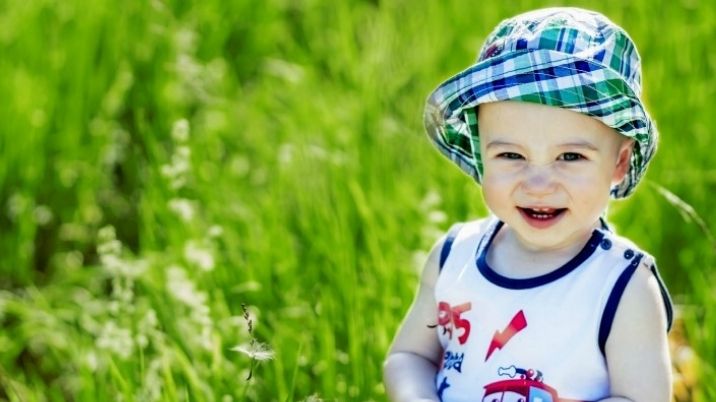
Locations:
{"points": [[228, 201]]}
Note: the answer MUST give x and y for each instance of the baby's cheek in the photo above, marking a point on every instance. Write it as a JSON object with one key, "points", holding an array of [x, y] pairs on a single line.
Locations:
{"points": [[495, 190]]}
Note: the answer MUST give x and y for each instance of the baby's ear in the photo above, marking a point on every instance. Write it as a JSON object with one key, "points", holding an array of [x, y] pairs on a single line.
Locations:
{"points": [[623, 160]]}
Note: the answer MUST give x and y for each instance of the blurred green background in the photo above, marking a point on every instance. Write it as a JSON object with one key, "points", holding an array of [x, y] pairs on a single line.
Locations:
{"points": [[230, 200]]}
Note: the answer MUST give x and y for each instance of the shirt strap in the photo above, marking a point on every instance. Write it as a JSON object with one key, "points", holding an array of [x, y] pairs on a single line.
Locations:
{"points": [[447, 244]]}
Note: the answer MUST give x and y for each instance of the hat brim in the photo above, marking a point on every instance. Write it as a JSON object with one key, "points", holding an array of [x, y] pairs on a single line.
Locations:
{"points": [[540, 76]]}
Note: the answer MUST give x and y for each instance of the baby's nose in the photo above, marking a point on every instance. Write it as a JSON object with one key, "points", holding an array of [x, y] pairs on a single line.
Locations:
{"points": [[538, 181]]}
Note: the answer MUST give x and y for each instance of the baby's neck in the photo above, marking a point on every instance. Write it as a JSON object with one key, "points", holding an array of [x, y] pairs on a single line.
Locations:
{"points": [[509, 257]]}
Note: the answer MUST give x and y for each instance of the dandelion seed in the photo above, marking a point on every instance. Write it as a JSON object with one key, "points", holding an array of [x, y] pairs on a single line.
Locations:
{"points": [[255, 351]]}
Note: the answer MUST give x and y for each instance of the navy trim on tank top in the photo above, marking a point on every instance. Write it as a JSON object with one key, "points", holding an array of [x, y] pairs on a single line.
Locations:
{"points": [[527, 283], [447, 245], [668, 305], [610, 310]]}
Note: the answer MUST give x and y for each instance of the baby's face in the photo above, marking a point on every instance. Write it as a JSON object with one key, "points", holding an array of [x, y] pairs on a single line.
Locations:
{"points": [[547, 171]]}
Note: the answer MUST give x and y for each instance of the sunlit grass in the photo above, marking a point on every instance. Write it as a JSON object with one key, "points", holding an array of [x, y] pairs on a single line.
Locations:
{"points": [[189, 189]]}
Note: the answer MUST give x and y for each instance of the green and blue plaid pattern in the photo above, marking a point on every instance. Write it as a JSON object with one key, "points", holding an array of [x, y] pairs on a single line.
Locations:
{"points": [[564, 57]]}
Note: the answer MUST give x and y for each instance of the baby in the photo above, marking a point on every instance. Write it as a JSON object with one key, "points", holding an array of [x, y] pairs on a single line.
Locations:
{"points": [[540, 301]]}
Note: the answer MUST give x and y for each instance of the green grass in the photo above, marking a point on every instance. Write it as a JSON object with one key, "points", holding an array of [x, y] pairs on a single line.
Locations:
{"points": [[271, 154]]}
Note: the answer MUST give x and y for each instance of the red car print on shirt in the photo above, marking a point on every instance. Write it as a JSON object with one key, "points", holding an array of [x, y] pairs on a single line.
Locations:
{"points": [[528, 388]]}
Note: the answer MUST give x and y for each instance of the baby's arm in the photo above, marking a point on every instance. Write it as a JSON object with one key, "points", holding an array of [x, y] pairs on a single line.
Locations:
{"points": [[410, 368], [637, 348]]}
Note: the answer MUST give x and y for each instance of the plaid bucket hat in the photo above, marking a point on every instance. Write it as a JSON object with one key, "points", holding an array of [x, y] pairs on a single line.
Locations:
{"points": [[565, 57]]}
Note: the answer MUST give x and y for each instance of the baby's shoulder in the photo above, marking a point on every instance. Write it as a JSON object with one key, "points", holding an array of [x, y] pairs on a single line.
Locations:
{"points": [[624, 247], [640, 281]]}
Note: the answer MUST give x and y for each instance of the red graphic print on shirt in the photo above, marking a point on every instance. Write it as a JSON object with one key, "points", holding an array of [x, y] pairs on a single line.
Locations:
{"points": [[500, 339], [449, 319]]}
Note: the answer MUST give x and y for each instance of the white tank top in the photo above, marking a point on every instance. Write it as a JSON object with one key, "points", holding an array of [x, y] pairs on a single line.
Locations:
{"points": [[529, 340]]}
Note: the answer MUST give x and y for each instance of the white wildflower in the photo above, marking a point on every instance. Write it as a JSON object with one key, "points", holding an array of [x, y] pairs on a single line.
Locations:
{"points": [[185, 40], [342, 357], [431, 200], [179, 167], [180, 131], [290, 72], [216, 231], [199, 256], [182, 207], [313, 398], [151, 389], [115, 340], [437, 216], [16, 205], [184, 290], [108, 243], [91, 360], [42, 215]]}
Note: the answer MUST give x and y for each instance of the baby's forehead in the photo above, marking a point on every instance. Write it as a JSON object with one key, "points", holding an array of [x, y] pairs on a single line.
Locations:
{"points": [[536, 123]]}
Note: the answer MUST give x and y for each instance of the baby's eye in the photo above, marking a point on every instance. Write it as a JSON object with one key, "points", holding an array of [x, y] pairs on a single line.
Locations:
{"points": [[510, 156], [571, 156]]}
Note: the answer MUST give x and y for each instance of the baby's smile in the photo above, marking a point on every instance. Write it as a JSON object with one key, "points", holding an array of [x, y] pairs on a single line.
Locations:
{"points": [[541, 217]]}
